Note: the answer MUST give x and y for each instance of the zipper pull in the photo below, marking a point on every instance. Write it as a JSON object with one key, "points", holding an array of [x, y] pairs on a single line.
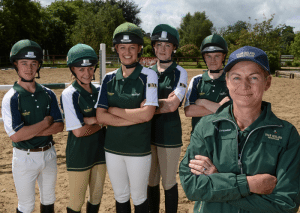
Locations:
{"points": [[240, 165]]}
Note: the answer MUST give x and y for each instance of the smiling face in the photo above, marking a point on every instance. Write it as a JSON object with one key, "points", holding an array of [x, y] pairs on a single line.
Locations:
{"points": [[163, 50], [247, 82], [84, 74], [128, 53], [27, 68], [215, 60]]}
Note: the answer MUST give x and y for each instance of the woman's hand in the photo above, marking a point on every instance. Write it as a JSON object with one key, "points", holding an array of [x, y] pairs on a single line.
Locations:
{"points": [[202, 165]]}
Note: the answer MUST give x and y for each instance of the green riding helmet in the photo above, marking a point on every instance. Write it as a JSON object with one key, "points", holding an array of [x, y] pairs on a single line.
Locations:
{"points": [[165, 33], [27, 49], [214, 43], [82, 55], [128, 33]]}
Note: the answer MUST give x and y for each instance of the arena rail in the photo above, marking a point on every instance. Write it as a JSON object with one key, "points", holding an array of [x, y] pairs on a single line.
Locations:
{"points": [[287, 74]]}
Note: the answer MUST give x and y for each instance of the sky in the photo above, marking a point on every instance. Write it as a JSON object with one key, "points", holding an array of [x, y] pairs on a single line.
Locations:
{"points": [[221, 12]]}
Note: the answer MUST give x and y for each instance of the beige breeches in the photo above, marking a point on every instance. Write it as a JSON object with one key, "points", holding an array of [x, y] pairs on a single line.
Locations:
{"points": [[78, 182], [165, 164]]}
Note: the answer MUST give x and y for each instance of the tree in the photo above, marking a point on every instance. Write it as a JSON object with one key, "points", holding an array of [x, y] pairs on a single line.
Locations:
{"points": [[232, 33], [295, 46], [130, 10], [58, 20], [19, 20], [287, 37], [263, 36], [93, 29], [194, 28]]}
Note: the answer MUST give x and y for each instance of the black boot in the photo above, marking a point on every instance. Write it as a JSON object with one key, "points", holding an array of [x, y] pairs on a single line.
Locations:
{"points": [[18, 211], [171, 199], [71, 210], [90, 208], [142, 208], [123, 207], [153, 198], [47, 208]]}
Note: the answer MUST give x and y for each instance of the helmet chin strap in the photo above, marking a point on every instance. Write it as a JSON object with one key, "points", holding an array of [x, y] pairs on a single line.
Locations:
{"points": [[215, 71], [130, 65], [24, 80], [81, 81]]}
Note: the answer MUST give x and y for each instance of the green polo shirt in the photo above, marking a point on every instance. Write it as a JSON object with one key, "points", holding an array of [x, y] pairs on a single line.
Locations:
{"points": [[203, 87], [22, 108], [82, 153], [128, 93], [166, 127]]}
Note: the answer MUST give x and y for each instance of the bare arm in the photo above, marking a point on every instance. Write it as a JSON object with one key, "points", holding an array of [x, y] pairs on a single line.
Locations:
{"points": [[137, 115], [210, 105], [28, 132], [53, 129], [196, 111], [168, 105], [106, 118], [86, 130]]}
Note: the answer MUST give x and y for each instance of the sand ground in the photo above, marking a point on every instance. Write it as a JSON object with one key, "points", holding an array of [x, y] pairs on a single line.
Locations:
{"points": [[284, 95]]}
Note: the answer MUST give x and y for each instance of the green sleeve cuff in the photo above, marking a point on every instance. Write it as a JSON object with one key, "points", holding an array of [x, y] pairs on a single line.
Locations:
{"points": [[243, 185]]}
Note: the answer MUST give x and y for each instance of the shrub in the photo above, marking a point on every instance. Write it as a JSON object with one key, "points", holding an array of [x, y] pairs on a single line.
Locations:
{"points": [[189, 50], [296, 64], [288, 63], [273, 60], [147, 51]]}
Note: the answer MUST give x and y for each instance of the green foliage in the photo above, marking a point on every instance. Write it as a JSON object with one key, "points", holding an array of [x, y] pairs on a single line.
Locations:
{"points": [[194, 28], [296, 64], [295, 46], [199, 65], [261, 35], [93, 29], [130, 10], [288, 63], [273, 57], [286, 38], [147, 51], [18, 20], [232, 32], [190, 50]]}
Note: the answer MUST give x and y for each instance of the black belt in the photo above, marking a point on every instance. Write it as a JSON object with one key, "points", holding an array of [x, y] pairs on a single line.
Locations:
{"points": [[40, 149]]}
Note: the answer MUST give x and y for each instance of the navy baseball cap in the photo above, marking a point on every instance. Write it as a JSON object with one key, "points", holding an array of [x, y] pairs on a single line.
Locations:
{"points": [[248, 53]]}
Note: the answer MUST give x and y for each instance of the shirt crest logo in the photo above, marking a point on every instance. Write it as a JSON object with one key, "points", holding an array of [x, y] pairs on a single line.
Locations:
{"points": [[110, 93], [88, 109], [202, 93], [26, 113], [273, 137], [30, 55]]}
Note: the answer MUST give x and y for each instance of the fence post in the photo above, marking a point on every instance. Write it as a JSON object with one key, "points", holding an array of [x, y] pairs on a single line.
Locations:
{"points": [[102, 59], [53, 59]]}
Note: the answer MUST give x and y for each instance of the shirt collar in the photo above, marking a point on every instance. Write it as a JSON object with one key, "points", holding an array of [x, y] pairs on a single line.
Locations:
{"points": [[82, 91], [206, 77], [134, 75], [168, 70], [24, 92]]}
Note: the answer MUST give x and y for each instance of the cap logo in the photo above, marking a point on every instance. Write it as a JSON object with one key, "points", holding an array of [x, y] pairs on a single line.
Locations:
{"points": [[163, 36], [86, 63], [126, 39], [245, 54], [30, 55]]}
